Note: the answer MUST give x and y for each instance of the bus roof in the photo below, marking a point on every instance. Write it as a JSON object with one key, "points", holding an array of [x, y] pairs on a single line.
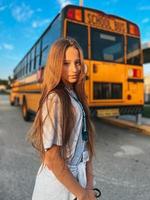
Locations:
{"points": [[98, 11]]}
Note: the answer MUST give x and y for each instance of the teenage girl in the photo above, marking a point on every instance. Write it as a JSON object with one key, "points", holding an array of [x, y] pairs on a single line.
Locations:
{"points": [[62, 131]]}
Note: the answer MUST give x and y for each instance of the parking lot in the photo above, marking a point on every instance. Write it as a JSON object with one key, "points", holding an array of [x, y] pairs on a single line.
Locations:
{"points": [[121, 165]]}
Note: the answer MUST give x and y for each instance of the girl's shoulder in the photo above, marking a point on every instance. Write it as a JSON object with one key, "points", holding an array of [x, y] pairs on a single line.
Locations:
{"points": [[53, 97], [52, 101]]}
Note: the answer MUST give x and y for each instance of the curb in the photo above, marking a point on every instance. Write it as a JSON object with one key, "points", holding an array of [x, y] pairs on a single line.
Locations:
{"points": [[145, 129]]}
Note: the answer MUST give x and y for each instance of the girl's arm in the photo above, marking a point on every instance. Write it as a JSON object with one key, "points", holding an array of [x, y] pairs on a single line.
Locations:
{"points": [[56, 163], [89, 172]]}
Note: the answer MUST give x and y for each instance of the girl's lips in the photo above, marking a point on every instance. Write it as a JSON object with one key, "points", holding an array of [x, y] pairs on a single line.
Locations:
{"points": [[74, 76]]}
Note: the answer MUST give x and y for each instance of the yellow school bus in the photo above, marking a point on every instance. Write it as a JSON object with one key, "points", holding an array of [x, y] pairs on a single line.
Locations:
{"points": [[112, 52]]}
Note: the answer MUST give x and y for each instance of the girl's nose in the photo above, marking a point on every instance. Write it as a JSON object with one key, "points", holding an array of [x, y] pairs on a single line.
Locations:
{"points": [[74, 68]]}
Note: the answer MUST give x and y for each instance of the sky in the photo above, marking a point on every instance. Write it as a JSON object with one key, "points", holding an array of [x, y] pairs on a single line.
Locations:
{"points": [[22, 23]]}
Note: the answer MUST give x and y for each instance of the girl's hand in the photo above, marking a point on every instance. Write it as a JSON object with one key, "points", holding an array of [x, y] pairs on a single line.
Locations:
{"points": [[88, 195], [91, 194]]}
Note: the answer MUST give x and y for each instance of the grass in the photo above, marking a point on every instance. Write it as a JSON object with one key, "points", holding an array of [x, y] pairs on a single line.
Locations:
{"points": [[146, 111]]}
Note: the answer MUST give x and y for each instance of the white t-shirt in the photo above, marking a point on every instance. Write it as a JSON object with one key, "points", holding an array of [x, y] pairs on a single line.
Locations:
{"points": [[51, 127], [47, 186]]}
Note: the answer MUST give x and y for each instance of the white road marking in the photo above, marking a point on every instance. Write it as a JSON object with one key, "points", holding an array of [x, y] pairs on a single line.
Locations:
{"points": [[101, 175], [4, 100], [128, 150], [119, 182]]}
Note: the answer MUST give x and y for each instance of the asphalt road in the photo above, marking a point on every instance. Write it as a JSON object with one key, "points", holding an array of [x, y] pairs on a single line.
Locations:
{"points": [[121, 165]]}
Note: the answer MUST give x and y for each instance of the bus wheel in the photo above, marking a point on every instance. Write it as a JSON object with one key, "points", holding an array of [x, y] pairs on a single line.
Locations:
{"points": [[93, 112], [12, 103], [25, 112], [16, 101]]}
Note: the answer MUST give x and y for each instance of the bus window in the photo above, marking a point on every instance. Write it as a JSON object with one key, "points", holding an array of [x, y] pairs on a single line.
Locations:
{"points": [[29, 61], [133, 51], [20, 72], [44, 56], [46, 40], [32, 58], [80, 33], [20, 66], [26, 65], [107, 46], [23, 68], [52, 34], [38, 50]]}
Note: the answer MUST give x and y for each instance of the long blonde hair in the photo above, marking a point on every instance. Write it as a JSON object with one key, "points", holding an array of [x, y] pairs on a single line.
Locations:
{"points": [[52, 83]]}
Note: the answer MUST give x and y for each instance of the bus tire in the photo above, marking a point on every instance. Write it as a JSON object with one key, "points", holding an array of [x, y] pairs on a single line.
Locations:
{"points": [[12, 103], [93, 112], [25, 113], [16, 101]]}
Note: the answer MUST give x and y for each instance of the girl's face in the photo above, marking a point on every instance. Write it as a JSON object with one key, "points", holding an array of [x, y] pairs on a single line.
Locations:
{"points": [[71, 66]]}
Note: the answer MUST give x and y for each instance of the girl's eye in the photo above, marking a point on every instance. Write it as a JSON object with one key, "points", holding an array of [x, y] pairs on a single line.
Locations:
{"points": [[78, 63], [66, 63]]}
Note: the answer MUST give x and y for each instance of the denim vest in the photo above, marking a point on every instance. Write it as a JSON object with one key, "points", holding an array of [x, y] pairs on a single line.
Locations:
{"points": [[78, 163]]}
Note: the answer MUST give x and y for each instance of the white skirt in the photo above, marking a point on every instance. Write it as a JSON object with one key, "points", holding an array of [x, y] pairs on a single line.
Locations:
{"points": [[48, 187]]}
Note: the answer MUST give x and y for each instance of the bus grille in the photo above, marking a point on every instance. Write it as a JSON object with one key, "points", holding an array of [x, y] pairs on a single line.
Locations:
{"points": [[107, 90]]}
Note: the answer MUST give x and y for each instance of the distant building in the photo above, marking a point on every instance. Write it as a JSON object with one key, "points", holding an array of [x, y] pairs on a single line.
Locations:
{"points": [[2, 87], [146, 60], [147, 88], [146, 52]]}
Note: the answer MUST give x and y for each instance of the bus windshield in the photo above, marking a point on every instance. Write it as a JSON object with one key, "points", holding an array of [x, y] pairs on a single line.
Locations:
{"points": [[107, 46]]}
